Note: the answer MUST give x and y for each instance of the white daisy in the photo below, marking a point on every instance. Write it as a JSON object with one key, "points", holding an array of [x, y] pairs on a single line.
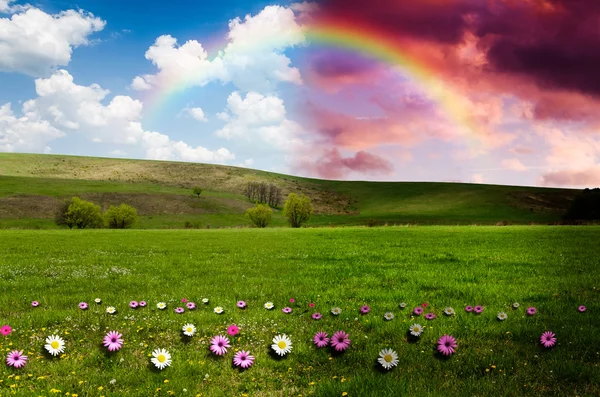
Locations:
{"points": [[388, 358], [449, 311], [516, 305], [336, 311], [98, 300], [111, 310], [388, 316], [205, 301], [55, 345], [282, 345], [189, 330], [269, 305], [218, 310], [416, 330], [161, 305], [502, 316], [161, 358], [402, 305]]}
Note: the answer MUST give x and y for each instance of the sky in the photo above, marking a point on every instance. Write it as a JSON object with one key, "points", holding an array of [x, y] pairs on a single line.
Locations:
{"points": [[479, 91]]}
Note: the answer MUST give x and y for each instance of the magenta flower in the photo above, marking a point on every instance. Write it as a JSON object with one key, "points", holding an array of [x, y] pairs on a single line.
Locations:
{"points": [[430, 316], [16, 359], [316, 316], [287, 310], [531, 311], [5, 330], [548, 339], [133, 304], [83, 305], [179, 310], [183, 300], [292, 300], [446, 345], [321, 339], [365, 309], [241, 304], [190, 305], [243, 359], [582, 308], [233, 330], [469, 309], [35, 303], [418, 311], [478, 309], [340, 341], [311, 305], [113, 341], [219, 345], [143, 303]]}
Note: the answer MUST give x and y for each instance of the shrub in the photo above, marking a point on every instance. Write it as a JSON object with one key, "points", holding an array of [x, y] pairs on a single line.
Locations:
{"points": [[197, 191], [586, 206], [60, 218], [260, 216], [192, 225], [121, 217], [82, 214], [297, 209]]}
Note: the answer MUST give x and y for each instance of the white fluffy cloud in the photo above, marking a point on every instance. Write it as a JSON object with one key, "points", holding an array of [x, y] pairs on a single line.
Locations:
{"points": [[260, 119], [161, 147], [252, 60], [7, 8], [195, 113], [33, 42], [24, 134]]}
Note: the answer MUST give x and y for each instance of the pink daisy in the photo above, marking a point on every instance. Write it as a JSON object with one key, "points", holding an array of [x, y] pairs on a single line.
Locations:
{"points": [[418, 311], [321, 339], [469, 309], [582, 308], [5, 330], [365, 309], [143, 303], [190, 305], [430, 316], [83, 305], [179, 310], [233, 330], [446, 345], [133, 304], [340, 341], [113, 340], [292, 300], [425, 304], [183, 300], [548, 339], [219, 345], [311, 305], [531, 311], [243, 359], [316, 316], [35, 303], [478, 309], [287, 310], [16, 359], [241, 304]]}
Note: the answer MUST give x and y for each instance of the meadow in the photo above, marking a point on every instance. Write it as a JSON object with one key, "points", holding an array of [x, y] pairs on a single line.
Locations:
{"points": [[554, 269]]}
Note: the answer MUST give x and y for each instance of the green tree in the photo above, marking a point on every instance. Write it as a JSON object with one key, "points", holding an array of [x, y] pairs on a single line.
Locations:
{"points": [[260, 216], [82, 214], [121, 217], [60, 218], [297, 209], [197, 191]]}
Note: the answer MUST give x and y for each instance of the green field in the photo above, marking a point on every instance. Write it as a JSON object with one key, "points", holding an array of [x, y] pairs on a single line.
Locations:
{"points": [[33, 186], [554, 269]]}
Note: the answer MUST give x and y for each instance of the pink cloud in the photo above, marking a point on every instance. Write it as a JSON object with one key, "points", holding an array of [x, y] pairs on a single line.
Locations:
{"points": [[581, 178], [332, 165]]}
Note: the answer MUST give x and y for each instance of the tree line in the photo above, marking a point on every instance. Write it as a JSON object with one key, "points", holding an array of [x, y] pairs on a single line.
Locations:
{"points": [[82, 214]]}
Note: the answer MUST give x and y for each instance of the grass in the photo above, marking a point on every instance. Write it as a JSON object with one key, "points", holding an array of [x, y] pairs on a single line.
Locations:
{"points": [[552, 268]]}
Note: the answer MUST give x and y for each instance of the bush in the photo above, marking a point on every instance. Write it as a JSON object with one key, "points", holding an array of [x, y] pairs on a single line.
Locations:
{"points": [[60, 218], [586, 206], [121, 217], [297, 209], [260, 216], [197, 191], [82, 214], [192, 225]]}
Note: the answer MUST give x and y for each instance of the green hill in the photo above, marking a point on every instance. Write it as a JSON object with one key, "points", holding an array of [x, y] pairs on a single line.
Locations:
{"points": [[33, 186]]}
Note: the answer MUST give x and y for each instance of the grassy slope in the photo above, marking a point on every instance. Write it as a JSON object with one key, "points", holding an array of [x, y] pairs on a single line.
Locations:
{"points": [[111, 181], [553, 269]]}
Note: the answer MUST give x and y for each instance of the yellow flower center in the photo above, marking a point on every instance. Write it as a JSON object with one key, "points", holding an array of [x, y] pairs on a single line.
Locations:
{"points": [[282, 344], [55, 345], [388, 358], [161, 358], [189, 329]]}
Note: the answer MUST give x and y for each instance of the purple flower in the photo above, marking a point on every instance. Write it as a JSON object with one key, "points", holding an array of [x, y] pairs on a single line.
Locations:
{"points": [[5, 330], [292, 300], [321, 339], [113, 341], [582, 308], [287, 310], [418, 311], [133, 304], [143, 303], [219, 345], [35, 303], [243, 359], [446, 345], [83, 305], [531, 311], [365, 309], [340, 341], [478, 309], [179, 310], [469, 309], [233, 330], [190, 305], [430, 316], [241, 304], [548, 339], [16, 359], [316, 316]]}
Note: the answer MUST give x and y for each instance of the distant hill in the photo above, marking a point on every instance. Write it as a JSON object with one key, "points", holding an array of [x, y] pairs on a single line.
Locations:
{"points": [[32, 186]]}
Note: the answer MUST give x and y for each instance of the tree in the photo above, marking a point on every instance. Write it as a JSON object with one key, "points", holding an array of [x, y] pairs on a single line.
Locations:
{"points": [[60, 218], [263, 193], [197, 191], [121, 217], [260, 216], [82, 214], [297, 209], [586, 206]]}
